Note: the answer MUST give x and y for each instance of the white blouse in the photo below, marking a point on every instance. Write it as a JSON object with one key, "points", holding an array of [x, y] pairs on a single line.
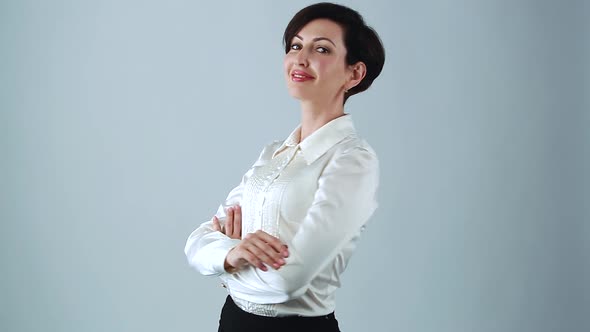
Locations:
{"points": [[315, 196]]}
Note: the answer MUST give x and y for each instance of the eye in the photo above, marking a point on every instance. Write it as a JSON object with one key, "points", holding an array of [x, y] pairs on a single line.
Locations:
{"points": [[322, 49], [295, 46]]}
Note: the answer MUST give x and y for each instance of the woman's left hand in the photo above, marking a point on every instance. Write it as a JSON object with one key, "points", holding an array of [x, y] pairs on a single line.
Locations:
{"points": [[233, 223]]}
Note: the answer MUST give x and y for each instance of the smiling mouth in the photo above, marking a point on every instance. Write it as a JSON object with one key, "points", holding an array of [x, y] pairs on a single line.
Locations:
{"points": [[300, 77]]}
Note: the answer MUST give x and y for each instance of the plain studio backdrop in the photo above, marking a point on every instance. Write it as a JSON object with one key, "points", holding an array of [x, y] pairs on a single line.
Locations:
{"points": [[125, 123]]}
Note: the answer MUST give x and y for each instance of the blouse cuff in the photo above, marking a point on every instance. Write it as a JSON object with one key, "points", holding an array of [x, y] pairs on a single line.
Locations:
{"points": [[219, 253]]}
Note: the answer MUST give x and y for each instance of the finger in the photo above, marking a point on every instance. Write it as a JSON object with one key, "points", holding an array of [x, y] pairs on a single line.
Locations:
{"points": [[260, 258], [274, 242], [216, 225], [264, 251], [237, 222], [251, 258], [238, 257], [272, 246], [229, 222]]}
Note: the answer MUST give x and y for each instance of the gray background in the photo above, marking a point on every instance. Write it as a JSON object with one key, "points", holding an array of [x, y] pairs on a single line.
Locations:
{"points": [[124, 123]]}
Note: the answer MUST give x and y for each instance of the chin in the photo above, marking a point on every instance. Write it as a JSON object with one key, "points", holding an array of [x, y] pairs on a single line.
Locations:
{"points": [[295, 95], [298, 93]]}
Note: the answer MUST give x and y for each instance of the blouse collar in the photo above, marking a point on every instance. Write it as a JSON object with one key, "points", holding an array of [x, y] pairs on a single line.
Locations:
{"points": [[321, 140]]}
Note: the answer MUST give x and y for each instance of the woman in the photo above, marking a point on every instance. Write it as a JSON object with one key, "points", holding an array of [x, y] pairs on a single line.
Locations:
{"points": [[303, 204]]}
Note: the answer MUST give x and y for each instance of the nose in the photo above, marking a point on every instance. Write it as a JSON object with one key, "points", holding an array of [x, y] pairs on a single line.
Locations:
{"points": [[302, 58]]}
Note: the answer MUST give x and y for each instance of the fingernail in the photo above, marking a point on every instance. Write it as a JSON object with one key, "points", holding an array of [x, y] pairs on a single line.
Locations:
{"points": [[276, 266], [286, 253], [263, 268], [281, 261]]}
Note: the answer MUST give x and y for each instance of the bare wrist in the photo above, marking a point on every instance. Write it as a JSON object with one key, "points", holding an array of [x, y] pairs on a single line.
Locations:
{"points": [[227, 266]]}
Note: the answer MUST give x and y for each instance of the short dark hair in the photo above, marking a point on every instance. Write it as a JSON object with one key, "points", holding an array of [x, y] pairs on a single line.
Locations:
{"points": [[361, 41]]}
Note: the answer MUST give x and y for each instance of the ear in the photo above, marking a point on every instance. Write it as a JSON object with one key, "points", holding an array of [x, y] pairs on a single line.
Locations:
{"points": [[357, 73]]}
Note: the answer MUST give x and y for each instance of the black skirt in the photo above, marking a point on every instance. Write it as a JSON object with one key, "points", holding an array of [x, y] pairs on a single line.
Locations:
{"points": [[234, 319]]}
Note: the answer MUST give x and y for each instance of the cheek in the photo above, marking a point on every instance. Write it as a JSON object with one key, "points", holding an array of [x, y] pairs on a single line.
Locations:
{"points": [[330, 68], [287, 61], [323, 65]]}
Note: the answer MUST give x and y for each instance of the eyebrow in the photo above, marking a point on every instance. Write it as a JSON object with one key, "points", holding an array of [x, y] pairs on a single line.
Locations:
{"points": [[317, 39]]}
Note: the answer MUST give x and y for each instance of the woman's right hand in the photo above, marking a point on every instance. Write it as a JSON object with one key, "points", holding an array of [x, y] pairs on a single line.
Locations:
{"points": [[257, 249]]}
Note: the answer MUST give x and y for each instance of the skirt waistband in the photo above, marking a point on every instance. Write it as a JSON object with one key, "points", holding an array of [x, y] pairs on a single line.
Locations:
{"points": [[234, 319]]}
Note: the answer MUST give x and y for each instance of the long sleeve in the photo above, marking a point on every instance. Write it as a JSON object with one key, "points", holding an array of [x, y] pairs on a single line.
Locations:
{"points": [[343, 202], [206, 248]]}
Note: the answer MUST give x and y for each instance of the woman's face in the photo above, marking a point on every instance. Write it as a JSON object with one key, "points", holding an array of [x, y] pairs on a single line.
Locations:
{"points": [[315, 66]]}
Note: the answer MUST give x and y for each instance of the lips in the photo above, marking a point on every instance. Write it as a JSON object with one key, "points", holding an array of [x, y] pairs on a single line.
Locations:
{"points": [[300, 76]]}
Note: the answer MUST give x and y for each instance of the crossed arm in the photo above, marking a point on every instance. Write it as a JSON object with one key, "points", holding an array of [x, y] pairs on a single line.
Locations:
{"points": [[343, 202], [256, 249]]}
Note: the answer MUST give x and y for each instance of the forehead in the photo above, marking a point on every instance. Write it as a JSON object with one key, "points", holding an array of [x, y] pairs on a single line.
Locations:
{"points": [[322, 28]]}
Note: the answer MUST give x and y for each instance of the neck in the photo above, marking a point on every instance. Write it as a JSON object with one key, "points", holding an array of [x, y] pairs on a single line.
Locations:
{"points": [[315, 115]]}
